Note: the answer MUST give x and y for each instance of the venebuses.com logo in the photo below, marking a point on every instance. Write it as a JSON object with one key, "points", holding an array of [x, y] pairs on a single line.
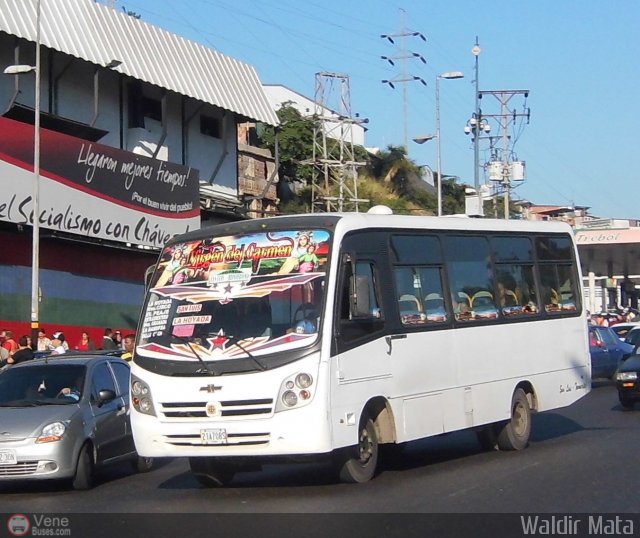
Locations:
{"points": [[38, 525], [18, 525]]}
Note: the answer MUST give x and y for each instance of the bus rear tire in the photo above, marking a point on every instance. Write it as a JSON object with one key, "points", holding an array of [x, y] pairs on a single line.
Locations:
{"points": [[358, 464], [514, 434], [211, 473]]}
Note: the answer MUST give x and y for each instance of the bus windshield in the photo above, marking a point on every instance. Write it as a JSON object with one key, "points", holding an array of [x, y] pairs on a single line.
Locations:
{"points": [[224, 298]]}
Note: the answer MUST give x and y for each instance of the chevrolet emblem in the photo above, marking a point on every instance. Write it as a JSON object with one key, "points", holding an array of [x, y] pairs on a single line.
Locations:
{"points": [[210, 388]]}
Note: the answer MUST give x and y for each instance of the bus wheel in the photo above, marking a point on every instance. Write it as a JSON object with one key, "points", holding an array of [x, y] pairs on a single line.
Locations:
{"points": [[211, 473], [358, 464], [514, 434]]}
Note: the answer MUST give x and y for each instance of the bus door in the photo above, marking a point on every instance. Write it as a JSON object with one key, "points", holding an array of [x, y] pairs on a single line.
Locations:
{"points": [[359, 347]]}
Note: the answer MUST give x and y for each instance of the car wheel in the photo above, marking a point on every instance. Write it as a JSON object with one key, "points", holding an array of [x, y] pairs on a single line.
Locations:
{"points": [[142, 465], [514, 434], [626, 403], [358, 464], [83, 478], [211, 473]]}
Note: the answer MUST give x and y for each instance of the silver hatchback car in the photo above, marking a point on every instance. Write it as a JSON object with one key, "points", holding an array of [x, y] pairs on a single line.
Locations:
{"points": [[63, 417]]}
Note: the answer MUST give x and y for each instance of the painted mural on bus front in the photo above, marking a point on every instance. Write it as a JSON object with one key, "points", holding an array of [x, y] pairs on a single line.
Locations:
{"points": [[241, 258]]}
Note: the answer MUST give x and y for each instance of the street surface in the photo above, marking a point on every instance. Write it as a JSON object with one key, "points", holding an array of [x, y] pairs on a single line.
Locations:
{"points": [[582, 459]]}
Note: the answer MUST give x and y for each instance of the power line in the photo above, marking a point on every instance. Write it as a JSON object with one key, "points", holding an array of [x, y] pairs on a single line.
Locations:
{"points": [[404, 77]]}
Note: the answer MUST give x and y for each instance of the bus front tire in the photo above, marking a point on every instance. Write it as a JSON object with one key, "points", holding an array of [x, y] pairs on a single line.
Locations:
{"points": [[514, 434], [358, 464], [211, 473]]}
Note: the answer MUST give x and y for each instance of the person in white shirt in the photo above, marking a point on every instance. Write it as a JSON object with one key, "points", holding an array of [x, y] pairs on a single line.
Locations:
{"points": [[57, 344], [44, 343]]}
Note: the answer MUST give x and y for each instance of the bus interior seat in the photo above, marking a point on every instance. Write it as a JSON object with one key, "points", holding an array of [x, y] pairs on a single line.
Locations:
{"points": [[433, 301], [514, 297], [409, 304], [464, 298], [482, 298]]}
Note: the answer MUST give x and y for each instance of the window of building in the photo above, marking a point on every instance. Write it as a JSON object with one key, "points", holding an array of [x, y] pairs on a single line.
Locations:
{"points": [[140, 106], [210, 126]]}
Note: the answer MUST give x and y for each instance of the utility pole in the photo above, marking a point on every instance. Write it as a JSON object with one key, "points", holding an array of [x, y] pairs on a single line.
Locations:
{"points": [[508, 169], [404, 78], [334, 185], [476, 137]]}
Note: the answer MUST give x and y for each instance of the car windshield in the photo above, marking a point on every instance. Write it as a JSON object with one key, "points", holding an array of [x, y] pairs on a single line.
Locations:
{"points": [[235, 297], [44, 384]]}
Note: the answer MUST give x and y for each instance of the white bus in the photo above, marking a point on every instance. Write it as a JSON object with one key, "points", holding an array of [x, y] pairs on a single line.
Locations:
{"points": [[333, 334]]}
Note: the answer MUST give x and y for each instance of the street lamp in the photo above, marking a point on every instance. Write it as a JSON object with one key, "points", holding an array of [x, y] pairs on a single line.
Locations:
{"points": [[421, 140], [449, 75], [35, 251]]}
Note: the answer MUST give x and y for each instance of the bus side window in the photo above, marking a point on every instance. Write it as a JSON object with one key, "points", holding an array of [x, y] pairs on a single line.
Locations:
{"points": [[360, 311]]}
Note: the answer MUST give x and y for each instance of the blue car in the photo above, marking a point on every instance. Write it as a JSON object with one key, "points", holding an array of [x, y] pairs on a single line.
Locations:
{"points": [[607, 352]]}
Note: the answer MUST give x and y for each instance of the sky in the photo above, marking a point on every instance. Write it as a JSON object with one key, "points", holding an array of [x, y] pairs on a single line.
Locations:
{"points": [[579, 60]]}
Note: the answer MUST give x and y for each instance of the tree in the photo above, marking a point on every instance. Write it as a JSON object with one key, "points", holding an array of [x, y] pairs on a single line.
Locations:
{"points": [[295, 144], [453, 196]]}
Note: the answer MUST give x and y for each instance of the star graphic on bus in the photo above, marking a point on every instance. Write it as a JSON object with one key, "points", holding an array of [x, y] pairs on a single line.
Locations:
{"points": [[219, 341]]}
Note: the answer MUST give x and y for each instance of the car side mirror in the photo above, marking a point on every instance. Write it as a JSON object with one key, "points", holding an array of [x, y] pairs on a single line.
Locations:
{"points": [[105, 396]]}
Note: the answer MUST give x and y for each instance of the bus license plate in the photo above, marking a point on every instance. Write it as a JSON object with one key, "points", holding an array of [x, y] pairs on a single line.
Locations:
{"points": [[217, 436], [8, 457]]}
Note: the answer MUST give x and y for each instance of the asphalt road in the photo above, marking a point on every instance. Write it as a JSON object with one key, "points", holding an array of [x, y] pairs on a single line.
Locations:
{"points": [[581, 459]]}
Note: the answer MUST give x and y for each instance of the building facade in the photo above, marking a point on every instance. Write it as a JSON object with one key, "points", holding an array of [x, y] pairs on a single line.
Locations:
{"points": [[138, 142]]}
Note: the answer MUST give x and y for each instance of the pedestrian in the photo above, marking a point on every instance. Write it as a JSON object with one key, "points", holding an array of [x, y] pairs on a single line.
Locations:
{"points": [[107, 339], [85, 343], [9, 343], [57, 343], [117, 338], [128, 344], [44, 343], [24, 353]]}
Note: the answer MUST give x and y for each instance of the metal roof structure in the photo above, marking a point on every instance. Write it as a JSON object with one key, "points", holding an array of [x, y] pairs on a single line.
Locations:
{"points": [[98, 33]]}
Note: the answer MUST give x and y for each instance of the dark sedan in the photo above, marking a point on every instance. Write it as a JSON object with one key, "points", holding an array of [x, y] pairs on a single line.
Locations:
{"points": [[607, 351], [628, 382]]}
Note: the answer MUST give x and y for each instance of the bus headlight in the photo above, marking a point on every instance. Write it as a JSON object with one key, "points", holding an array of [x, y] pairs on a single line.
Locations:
{"points": [[141, 397], [304, 381], [289, 398], [295, 391]]}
